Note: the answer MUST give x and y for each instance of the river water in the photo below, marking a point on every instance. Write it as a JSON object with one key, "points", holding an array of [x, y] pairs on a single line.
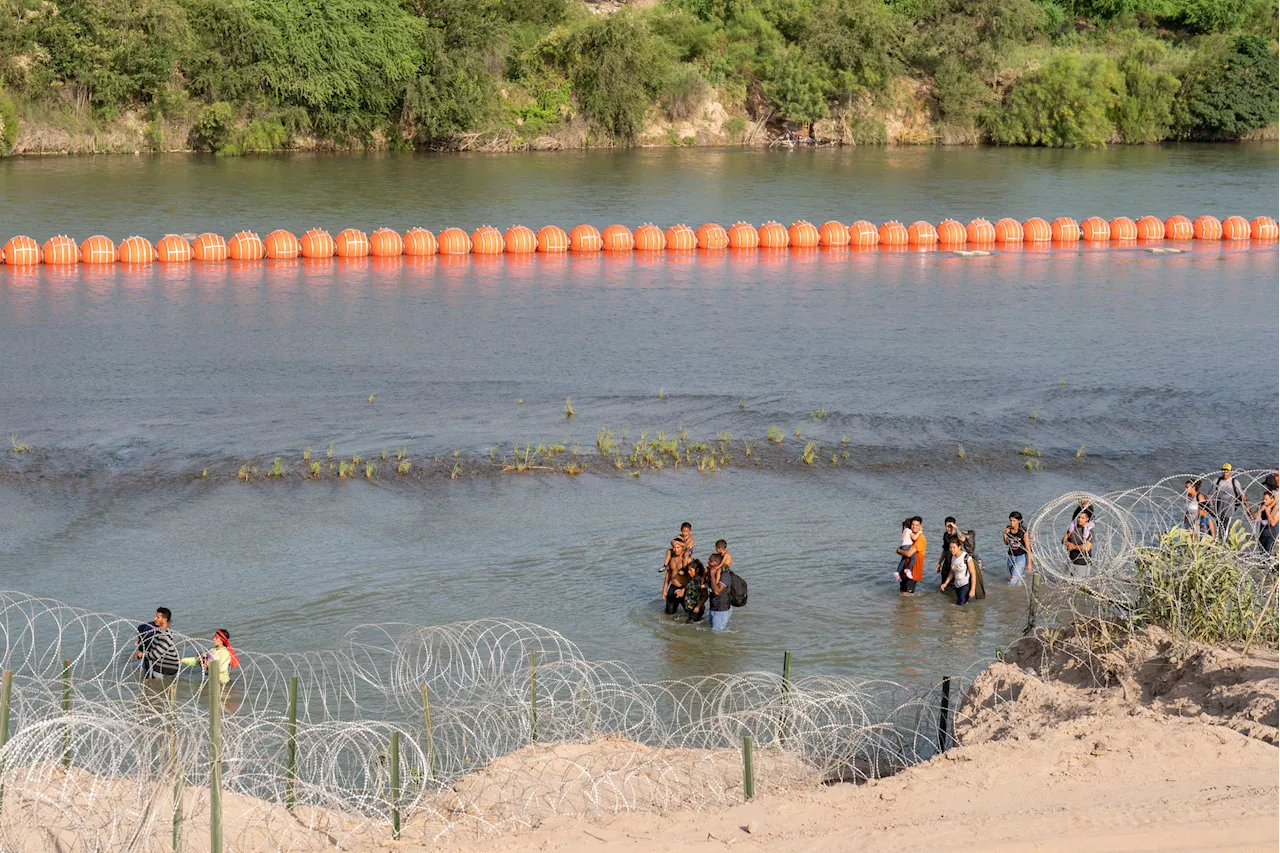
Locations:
{"points": [[1118, 367]]}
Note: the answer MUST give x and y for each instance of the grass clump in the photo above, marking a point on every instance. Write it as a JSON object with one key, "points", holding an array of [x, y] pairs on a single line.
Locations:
{"points": [[306, 453], [774, 435], [810, 453], [1030, 451], [404, 467], [276, 471], [18, 445], [960, 454], [315, 470], [1080, 452], [818, 414], [568, 408]]}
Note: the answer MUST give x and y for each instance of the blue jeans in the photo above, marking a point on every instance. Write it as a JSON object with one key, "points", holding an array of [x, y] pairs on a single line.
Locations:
{"points": [[719, 619], [962, 593], [1017, 566]]}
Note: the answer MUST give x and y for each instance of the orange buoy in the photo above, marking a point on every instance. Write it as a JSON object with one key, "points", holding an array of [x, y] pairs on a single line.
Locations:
{"points": [[551, 238], [1009, 230], [351, 243], [1124, 228], [1150, 228], [97, 250], [585, 238], [893, 233], [921, 233], [1095, 230], [1263, 228], [520, 240], [1206, 228], [487, 240], [952, 233], [1235, 228], [980, 232], [1064, 229], [386, 243], [1036, 230], [21, 251], [617, 238], [833, 233], [209, 247], [649, 238], [1178, 228], [743, 235], [680, 238], [60, 250], [281, 245], [864, 234], [173, 249], [712, 237], [802, 235], [317, 243], [246, 246], [454, 241], [773, 236], [419, 242], [136, 250]]}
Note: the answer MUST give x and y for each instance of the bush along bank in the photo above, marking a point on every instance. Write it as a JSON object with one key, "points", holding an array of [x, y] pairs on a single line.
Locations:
{"points": [[243, 76]]}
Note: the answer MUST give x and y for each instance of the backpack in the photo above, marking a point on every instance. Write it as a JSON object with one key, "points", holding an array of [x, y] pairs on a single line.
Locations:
{"points": [[737, 590]]}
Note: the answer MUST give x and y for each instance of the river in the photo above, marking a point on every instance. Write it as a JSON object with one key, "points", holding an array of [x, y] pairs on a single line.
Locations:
{"points": [[1116, 366]]}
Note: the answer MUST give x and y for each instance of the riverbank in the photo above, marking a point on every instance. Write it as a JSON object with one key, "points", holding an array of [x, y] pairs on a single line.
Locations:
{"points": [[1159, 745]]}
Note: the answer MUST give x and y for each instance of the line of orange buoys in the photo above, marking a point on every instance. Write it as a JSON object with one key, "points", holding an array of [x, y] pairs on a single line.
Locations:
{"points": [[518, 239]]}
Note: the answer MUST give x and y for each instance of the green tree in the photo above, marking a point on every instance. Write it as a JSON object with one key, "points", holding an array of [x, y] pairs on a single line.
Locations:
{"points": [[859, 39], [1229, 90], [617, 67], [1145, 112], [1067, 103], [796, 84]]}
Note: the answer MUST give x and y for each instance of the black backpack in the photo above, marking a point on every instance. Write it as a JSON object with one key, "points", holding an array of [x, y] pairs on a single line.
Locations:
{"points": [[737, 590]]}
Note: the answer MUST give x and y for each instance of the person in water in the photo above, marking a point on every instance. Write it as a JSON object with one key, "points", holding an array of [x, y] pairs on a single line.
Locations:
{"points": [[906, 549], [693, 596], [1226, 496], [1267, 515], [675, 576], [960, 573], [221, 652], [686, 536], [1206, 526], [950, 533], [726, 559], [1079, 542], [719, 608], [1018, 547], [914, 572], [157, 650]]}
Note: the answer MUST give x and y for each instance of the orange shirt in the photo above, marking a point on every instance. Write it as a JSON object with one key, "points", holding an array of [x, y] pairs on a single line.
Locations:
{"points": [[916, 570]]}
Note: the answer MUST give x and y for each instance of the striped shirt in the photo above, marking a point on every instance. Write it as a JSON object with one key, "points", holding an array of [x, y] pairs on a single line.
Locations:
{"points": [[159, 653]]}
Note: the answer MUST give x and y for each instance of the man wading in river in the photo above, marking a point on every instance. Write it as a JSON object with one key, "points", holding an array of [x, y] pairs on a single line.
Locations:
{"points": [[914, 573]]}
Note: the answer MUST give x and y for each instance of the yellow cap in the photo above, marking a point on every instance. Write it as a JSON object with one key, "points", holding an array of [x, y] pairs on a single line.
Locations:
{"points": [[1226, 467]]}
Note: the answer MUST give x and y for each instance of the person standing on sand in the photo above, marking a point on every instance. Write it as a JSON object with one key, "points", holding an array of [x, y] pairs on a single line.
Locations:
{"points": [[1016, 541], [914, 573]]}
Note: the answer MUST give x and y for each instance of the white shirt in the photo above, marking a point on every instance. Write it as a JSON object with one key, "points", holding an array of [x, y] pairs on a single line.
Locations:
{"points": [[907, 541], [960, 569]]}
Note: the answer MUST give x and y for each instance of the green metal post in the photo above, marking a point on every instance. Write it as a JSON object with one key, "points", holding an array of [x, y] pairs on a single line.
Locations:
{"points": [[748, 769], [426, 722], [395, 785], [215, 757], [786, 697], [178, 778], [66, 709], [291, 746], [533, 695], [6, 699], [942, 717]]}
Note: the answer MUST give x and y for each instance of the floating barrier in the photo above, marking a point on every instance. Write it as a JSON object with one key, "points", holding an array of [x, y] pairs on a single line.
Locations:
{"points": [[616, 238], [743, 235], [712, 237], [681, 238], [649, 238], [950, 234]]}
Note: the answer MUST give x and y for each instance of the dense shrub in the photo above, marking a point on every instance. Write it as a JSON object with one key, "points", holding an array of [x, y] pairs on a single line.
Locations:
{"points": [[1230, 89], [1145, 112], [1065, 104]]}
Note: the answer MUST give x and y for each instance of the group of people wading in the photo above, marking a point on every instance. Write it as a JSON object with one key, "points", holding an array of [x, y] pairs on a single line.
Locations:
{"points": [[701, 589]]}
